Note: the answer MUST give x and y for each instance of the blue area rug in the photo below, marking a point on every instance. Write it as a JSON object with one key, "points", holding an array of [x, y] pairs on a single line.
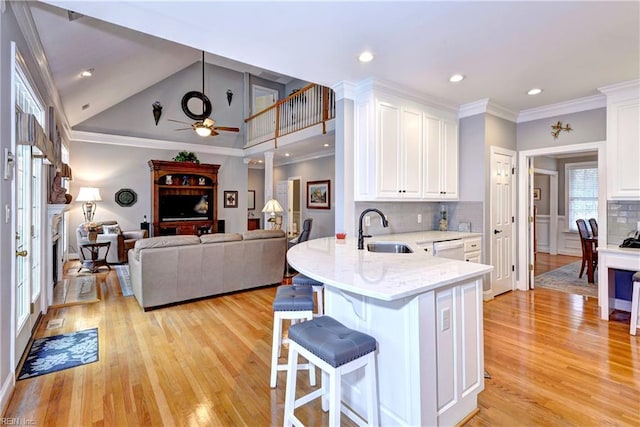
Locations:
{"points": [[51, 354], [566, 279], [124, 279]]}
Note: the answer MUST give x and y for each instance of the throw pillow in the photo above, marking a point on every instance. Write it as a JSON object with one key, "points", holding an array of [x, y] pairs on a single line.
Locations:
{"points": [[112, 229]]}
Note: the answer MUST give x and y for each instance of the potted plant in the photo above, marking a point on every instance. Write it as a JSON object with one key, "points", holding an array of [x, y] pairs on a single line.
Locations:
{"points": [[186, 156]]}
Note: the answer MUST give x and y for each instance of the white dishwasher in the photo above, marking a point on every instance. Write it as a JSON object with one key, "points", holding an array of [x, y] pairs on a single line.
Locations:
{"points": [[452, 249]]}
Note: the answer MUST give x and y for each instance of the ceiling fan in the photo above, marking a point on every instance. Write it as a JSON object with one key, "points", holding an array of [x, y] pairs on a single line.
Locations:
{"points": [[204, 125]]}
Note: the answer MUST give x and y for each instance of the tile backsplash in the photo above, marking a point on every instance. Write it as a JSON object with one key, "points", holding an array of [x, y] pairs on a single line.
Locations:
{"points": [[403, 217], [622, 218]]}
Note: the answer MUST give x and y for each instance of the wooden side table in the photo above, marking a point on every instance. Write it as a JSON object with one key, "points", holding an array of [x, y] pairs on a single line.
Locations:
{"points": [[91, 255]]}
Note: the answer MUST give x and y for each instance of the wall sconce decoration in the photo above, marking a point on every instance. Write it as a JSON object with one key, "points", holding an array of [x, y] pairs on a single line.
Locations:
{"points": [[157, 111], [229, 96], [557, 128]]}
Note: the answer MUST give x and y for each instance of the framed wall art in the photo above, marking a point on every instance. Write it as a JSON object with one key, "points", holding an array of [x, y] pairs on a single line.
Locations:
{"points": [[230, 199], [319, 194]]}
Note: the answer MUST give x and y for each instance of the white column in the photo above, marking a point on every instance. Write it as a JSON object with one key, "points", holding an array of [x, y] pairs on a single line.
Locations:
{"points": [[344, 158], [268, 182]]}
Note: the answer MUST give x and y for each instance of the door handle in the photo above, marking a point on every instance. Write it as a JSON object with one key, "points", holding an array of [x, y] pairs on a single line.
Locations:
{"points": [[21, 253], [497, 231]]}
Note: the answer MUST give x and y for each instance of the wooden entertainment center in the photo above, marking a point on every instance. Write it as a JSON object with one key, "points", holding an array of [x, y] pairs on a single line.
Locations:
{"points": [[184, 197]]}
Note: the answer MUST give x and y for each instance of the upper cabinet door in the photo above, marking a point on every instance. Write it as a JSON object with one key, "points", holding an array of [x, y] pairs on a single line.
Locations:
{"points": [[449, 175], [432, 156], [389, 150], [412, 148], [623, 140]]}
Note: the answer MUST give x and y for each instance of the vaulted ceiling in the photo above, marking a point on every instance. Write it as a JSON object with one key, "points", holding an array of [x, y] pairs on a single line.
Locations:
{"points": [[569, 49]]}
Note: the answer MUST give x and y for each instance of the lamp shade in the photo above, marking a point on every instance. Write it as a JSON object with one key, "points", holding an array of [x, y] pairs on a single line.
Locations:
{"points": [[272, 206], [89, 194]]}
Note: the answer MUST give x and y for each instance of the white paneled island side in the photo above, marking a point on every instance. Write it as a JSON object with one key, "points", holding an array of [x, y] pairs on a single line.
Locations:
{"points": [[426, 314]]}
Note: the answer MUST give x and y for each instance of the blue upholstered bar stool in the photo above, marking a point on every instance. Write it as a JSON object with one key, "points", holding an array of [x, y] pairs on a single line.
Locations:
{"points": [[635, 303], [300, 280], [292, 304], [337, 350]]}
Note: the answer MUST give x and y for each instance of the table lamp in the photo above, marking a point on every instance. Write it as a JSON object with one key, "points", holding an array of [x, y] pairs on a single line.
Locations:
{"points": [[273, 208], [89, 196]]}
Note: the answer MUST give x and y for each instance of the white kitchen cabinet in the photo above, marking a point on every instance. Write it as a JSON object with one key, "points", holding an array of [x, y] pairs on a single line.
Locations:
{"points": [[623, 141], [441, 158], [399, 145], [403, 150], [473, 249]]}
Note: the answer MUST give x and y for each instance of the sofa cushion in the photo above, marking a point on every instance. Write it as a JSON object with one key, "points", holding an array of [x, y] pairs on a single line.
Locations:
{"points": [[112, 229], [220, 237], [164, 242], [262, 234]]}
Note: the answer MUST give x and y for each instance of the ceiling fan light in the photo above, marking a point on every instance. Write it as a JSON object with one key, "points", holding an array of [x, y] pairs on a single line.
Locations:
{"points": [[208, 122], [203, 130]]}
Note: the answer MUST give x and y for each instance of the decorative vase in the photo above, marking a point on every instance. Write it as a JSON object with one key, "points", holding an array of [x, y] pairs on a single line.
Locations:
{"points": [[93, 236]]}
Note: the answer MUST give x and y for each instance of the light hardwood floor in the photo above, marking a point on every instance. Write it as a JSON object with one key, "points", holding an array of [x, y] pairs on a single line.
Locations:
{"points": [[552, 361]]}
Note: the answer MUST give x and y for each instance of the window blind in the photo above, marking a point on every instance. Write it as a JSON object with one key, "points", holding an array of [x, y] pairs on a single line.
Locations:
{"points": [[582, 192]]}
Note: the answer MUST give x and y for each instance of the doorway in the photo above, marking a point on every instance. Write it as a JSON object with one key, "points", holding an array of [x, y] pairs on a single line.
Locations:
{"points": [[525, 263]]}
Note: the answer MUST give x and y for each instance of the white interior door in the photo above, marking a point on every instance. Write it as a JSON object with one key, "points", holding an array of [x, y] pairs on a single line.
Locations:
{"points": [[502, 245], [282, 195], [530, 229], [262, 98]]}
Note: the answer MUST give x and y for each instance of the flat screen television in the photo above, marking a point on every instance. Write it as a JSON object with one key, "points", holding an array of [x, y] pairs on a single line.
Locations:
{"points": [[184, 208]]}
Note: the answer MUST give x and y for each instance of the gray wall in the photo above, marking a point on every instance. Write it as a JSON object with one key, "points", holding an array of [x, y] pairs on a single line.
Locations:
{"points": [[112, 168], [312, 170], [588, 126], [256, 183], [471, 151], [133, 116]]}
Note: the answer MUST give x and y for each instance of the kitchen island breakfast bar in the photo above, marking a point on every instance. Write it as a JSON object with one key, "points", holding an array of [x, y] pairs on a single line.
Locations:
{"points": [[426, 314]]}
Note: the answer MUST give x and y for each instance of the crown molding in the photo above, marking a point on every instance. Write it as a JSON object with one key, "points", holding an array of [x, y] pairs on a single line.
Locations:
{"points": [[486, 106], [392, 88], [344, 90], [157, 144], [622, 91], [562, 108]]}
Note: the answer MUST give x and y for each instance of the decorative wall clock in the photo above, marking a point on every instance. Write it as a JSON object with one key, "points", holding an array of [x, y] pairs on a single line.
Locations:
{"points": [[126, 197]]}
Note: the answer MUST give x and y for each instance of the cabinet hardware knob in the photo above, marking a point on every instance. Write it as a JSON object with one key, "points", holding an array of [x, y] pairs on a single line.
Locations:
{"points": [[21, 253]]}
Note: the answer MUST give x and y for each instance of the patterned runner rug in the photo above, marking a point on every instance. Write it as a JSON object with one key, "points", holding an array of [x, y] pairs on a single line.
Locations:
{"points": [[566, 279], [124, 279], [51, 354]]}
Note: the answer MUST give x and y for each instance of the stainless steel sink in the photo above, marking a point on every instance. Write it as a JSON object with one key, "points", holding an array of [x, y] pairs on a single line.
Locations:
{"points": [[389, 247]]}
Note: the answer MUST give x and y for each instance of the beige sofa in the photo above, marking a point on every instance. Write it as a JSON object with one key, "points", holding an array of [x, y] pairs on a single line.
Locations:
{"points": [[170, 269]]}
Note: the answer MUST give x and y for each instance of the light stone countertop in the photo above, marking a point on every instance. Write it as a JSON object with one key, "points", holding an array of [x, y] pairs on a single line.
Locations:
{"points": [[384, 276]]}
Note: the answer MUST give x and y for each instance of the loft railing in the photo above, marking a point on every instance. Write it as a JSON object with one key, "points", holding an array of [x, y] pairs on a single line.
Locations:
{"points": [[307, 107]]}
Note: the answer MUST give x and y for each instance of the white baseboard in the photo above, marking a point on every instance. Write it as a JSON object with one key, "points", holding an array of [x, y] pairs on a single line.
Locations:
{"points": [[622, 304], [6, 391]]}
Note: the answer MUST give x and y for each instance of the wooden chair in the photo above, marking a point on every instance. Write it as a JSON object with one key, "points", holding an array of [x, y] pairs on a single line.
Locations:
{"points": [[594, 227], [589, 250]]}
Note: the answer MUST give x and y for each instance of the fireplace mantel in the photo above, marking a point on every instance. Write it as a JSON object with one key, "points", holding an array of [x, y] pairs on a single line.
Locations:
{"points": [[55, 229]]}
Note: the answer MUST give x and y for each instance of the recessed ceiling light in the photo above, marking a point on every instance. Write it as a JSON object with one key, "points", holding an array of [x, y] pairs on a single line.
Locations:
{"points": [[456, 78], [87, 73], [325, 145], [365, 56], [534, 91], [287, 154]]}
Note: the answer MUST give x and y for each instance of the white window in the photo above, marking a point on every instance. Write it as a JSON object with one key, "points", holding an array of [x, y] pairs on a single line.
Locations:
{"points": [[581, 192]]}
